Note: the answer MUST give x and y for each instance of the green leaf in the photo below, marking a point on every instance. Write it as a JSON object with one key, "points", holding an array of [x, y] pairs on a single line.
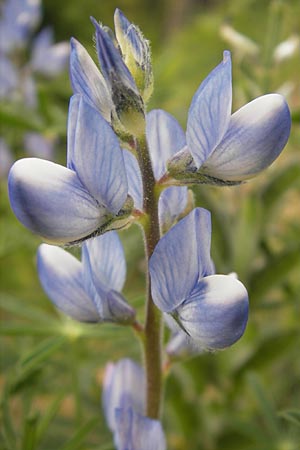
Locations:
{"points": [[245, 234], [76, 441], [17, 329], [31, 363], [48, 416], [266, 407], [271, 348], [277, 187], [6, 419], [274, 272], [20, 119], [29, 433], [18, 307], [41, 352], [291, 415]]}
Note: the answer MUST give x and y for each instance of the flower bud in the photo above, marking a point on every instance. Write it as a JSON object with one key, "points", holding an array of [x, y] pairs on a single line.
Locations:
{"points": [[129, 107], [136, 53]]}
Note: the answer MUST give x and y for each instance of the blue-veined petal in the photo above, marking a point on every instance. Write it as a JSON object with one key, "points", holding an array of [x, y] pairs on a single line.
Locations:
{"points": [[256, 135], [137, 432], [60, 274], [165, 137], [50, 200], [180, 258], [123, 387], [134, 179], [87, 80], [96, 156], [210, 111], [110, 304], [216, 313], [172, 203], [103, 257], [112, 65]]}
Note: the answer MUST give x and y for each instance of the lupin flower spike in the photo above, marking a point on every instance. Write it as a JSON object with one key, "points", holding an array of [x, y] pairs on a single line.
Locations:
{"points": [[211, 309], [224, 148], [68, 205], [88, 291]]}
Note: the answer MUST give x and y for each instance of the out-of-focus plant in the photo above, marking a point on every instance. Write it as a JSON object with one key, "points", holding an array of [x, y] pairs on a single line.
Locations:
{"points": [[28, 61], [244, 398]]}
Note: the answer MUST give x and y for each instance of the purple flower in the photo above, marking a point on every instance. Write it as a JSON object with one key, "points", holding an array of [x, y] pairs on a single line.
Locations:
{"points": [[224, 148], [68, 205], [211, 309], [90, 290]]}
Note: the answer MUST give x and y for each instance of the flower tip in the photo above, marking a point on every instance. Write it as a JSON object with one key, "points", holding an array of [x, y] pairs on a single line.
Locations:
{"points": [[74, 43], [226, 56], [95, 23]]}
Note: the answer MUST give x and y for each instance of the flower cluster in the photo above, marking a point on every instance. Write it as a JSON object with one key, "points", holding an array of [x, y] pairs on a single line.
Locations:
{"points": [[124, 166]]}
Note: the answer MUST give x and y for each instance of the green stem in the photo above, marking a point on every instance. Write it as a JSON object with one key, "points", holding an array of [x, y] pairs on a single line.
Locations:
{"points": [[153, 319]]}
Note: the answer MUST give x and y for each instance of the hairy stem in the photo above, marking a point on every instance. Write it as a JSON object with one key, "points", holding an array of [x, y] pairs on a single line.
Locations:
{"points": [[153, 319]]}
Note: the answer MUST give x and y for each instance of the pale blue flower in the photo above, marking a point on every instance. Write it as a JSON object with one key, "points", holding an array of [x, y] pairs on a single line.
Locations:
{"points": [[47, 58], [36, 144], [120, 384], [88, 81], [87, 291], [19, 19], [8, 78], [124, 408], [224, 148], [164, 138], [67, 205], [211, 309], [137, 432]]}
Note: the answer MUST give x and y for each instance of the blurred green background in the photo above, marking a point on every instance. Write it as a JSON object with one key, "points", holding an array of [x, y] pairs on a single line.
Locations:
{"points": [[246, 397]]}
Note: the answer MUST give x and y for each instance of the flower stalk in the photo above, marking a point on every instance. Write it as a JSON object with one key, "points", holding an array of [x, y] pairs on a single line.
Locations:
{"points": [[153, 317]]}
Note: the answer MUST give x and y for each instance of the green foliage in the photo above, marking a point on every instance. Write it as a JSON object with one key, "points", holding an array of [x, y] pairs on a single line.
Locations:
{"points": [[245, 398]]}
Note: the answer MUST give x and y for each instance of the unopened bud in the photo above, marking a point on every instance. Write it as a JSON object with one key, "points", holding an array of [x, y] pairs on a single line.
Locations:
{"points": [[136, 53]]}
